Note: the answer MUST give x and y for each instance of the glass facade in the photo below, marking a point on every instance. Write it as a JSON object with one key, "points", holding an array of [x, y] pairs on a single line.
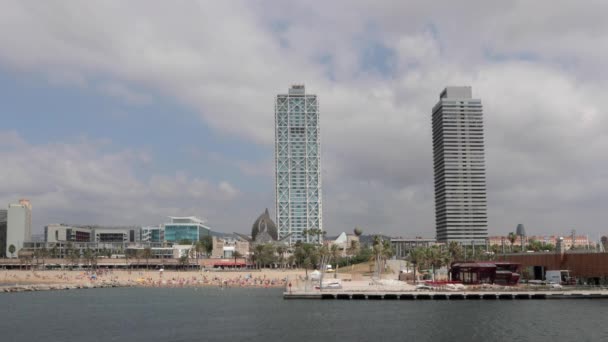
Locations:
{"points": [[297, 168], [176, 233], [152, 234]]}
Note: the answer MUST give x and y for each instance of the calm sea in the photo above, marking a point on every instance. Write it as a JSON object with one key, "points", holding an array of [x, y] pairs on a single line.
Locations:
{"points": [[129, 314]]}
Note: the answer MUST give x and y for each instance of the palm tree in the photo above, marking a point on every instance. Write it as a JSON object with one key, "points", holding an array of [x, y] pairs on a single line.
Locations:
{"points": [[416, 256], [207, 242], [258, 251], [54, 251], [387, 252], [377, 254], [147, 253], [12, 249], [184, 261], [236, 255], [90, 257], [74, 255], [306, 255], [512, 237], [281, 250], [198, 249]]}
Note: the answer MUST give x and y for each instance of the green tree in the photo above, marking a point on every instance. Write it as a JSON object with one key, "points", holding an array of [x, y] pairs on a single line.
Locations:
{"points": [[435, 258], [207, 244], [281, 250], [12, 249], [236, 255], [74, 255], [184, 261], [89, 257], [147, 253], [319, 233], [512, 237], [54, 251], [306, 255], [268, 254], [258, 250], [199, 248], [416, 257], [334, 251], [382, 251]]}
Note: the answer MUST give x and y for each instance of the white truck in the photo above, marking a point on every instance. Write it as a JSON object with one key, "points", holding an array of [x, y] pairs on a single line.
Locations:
{"points": [[558, 277]]}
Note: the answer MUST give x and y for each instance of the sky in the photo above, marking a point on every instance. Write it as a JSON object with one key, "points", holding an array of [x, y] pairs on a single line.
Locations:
{"points": [[126, 112]]}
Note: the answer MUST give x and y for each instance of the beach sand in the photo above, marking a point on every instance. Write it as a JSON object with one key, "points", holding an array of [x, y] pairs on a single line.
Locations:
{"points": [[252, 278]]}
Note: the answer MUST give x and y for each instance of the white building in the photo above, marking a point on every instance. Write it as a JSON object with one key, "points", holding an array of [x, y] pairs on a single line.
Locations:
{"points": [[298, 165], [19, 225], [153, 234], [66, 233]]}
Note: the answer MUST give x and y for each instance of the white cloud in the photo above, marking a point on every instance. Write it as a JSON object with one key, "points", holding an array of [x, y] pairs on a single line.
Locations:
{"points": [[81, 183], [544, 123]]}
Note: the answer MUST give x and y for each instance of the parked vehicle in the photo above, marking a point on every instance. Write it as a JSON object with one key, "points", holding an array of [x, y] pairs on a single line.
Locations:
{"points": [[559, 277]]}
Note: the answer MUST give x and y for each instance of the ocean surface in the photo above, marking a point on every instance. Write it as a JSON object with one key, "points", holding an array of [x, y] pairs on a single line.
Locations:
{"points": [[237, 314]]}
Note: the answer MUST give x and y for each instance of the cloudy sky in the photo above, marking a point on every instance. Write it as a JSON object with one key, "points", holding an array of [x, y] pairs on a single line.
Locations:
{"points": [[125, 112]]}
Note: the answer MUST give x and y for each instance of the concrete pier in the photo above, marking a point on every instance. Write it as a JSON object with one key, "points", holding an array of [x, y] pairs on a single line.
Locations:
{"points": [[455, 295]]}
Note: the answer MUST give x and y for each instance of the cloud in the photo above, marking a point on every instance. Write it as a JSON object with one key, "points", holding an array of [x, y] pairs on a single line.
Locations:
{"points": [[538, 68], [84, 183], [123, 92]]}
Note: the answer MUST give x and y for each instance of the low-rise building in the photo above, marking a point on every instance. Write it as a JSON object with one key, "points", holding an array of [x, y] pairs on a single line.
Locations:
{"points": [[153, 234], [578, 241], [403, 246], [188, 228], [225, 247], [66, 233]]}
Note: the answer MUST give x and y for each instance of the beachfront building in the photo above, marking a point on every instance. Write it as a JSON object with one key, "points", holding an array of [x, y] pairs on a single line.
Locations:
{"points": [[228, 246], [298, 165], [153, 234], [18, 225], [460, 176], [188, 228], [116, 234], [65, 233]]}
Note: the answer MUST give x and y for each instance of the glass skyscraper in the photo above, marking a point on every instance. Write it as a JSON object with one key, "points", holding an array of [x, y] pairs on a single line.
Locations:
{"points": [[460, 173], [298, 165]]}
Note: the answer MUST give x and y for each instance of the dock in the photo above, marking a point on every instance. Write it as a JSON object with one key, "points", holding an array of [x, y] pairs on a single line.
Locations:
{"points": [[447, 295]]}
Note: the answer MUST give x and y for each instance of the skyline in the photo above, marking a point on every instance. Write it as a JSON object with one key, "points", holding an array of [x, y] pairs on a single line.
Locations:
{"points": [[105, 122]]}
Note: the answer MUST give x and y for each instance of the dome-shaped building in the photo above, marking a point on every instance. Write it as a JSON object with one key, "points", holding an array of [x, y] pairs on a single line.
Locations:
{"points": [[264, 229]]}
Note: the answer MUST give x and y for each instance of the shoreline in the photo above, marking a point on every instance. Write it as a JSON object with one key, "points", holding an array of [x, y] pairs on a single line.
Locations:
{"points": [[27, 280]]}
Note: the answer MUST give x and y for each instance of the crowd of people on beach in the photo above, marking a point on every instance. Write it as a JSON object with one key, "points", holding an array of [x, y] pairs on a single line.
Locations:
{"points": [[203, 280], [147, 278]]}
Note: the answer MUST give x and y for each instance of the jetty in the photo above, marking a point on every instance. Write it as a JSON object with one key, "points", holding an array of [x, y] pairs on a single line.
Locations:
{"points": [[446, 295]]}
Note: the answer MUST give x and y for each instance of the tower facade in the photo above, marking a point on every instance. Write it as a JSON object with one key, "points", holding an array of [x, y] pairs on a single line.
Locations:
{"points": [[18, 226], [459, 165], [298, 165]]}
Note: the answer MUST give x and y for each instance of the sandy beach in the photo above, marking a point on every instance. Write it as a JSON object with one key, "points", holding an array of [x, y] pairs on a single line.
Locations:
{"points": [[143, 278]]}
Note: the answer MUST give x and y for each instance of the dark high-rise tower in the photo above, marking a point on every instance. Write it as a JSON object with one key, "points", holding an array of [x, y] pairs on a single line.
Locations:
{"points": [[460, 176]]}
